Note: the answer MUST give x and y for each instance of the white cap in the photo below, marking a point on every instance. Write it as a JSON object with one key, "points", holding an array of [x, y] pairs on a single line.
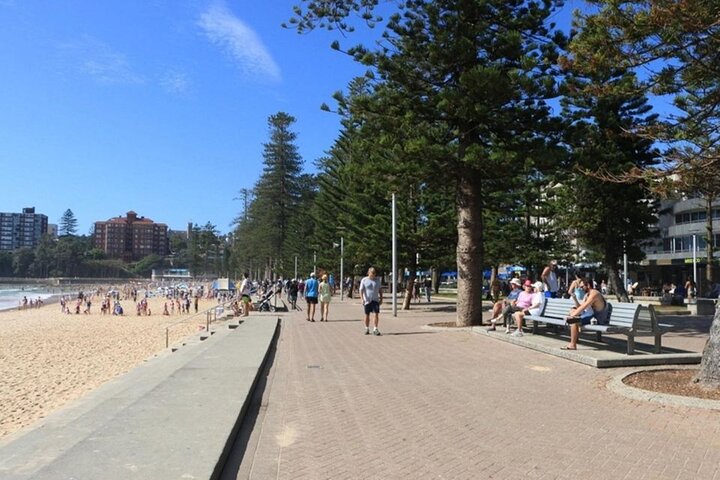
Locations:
{"points": [[538, 286]]}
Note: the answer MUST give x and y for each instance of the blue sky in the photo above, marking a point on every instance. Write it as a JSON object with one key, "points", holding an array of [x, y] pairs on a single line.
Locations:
{"points": [[156, 106]]}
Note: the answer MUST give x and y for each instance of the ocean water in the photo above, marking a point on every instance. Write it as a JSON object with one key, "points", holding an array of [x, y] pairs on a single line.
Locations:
{"points": [[11, 295]]}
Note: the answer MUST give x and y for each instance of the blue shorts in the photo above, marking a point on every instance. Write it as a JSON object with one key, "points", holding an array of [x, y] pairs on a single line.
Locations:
{"points": [[372, 307]]}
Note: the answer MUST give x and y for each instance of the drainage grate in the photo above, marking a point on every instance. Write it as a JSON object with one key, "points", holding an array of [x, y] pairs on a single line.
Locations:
{"points": [[314, 366]]}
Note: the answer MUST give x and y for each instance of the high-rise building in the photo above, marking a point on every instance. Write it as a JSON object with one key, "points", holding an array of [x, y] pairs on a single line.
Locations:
{"points": [[131, 237], [24, 229], [679, 250]]}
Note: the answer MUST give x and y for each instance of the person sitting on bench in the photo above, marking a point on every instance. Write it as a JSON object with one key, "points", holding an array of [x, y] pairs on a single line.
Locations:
{"points": [[581, 315], [503, 309], [538, 299]]}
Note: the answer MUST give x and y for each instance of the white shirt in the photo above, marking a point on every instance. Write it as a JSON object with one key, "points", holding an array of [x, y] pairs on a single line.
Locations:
{"points": [[370, 290]]}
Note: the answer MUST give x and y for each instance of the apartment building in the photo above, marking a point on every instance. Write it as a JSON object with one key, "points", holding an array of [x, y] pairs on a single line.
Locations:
{"points": [[18, 230], [131, 237]]}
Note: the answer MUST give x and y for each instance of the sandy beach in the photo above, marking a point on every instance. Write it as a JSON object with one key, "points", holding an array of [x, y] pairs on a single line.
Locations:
{"points": [[48, 358]]}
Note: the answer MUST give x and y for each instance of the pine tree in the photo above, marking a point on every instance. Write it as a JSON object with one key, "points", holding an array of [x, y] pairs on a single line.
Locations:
{"points": [[68, 224], [604, 109], [676, 46], [480, 68], [264, 234]]}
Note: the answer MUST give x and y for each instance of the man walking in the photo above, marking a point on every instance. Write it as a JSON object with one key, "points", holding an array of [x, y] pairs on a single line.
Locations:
{"points": [[371, 296], [245, 291], [311, 296]]}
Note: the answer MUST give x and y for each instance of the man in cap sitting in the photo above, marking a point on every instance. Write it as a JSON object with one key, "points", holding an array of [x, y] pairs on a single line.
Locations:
{"points": [[504, 308]]}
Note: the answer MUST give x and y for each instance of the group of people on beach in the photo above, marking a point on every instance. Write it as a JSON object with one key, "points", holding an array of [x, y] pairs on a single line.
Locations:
{"points": [[32, 303], [82, 303]]}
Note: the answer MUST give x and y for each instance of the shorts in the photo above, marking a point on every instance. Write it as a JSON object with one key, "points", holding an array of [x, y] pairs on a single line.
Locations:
{"points": [[372, 307], [245, 298], [312, 300], [549, 294], [587, 317]]}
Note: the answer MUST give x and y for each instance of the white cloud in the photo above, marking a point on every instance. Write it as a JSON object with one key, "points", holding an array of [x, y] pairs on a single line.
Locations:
{"points": [[96, 59], [174, 82], [239, 41]]}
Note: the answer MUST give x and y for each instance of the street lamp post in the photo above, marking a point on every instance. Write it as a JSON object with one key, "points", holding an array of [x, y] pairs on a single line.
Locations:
{"points": [[296, 268], [315, 262], [342, 271], [625, 267], [394, 260], [695, 260]]}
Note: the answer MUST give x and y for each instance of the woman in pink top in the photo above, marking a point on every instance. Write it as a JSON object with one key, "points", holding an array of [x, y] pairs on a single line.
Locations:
{"points": [[530, 300]]}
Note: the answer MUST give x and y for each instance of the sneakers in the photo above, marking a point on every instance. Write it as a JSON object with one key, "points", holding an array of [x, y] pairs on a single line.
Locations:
{"points": [[507, 329], [491, 329], [377, 333], [367, 331], [517, 333]]}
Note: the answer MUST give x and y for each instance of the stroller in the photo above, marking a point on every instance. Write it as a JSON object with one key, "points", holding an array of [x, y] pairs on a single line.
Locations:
{"points": [[264, 304]]}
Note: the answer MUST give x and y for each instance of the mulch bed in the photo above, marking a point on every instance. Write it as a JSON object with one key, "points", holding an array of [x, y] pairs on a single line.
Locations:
{"points": [[673, 382]]}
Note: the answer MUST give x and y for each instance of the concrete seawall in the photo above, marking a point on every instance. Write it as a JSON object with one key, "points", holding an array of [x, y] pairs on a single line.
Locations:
{"points": [[173, 417]]}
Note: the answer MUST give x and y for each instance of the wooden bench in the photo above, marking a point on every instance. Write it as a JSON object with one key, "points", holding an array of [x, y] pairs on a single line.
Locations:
{"points": [[630, 319]]}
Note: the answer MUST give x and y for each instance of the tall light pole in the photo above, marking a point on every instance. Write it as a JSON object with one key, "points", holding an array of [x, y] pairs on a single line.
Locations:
{"points": [[296, 268], [625, 268], [394, 260], [342, 273], [695, 260], [315, 262]]}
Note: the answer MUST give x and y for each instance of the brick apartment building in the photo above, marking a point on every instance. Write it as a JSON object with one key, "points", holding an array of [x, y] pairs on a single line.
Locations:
{"points": [[131, 237], [18, 230]]}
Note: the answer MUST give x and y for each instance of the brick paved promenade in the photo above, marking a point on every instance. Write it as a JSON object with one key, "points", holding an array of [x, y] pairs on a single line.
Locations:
{"points": [[422, 404]]}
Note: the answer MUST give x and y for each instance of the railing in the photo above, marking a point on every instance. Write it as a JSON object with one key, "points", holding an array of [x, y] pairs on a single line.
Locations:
{"points": [[211, 315]]}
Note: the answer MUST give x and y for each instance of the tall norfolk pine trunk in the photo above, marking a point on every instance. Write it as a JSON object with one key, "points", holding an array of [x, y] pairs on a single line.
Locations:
{"points": [[469, 247], [709, 374], [616, 285], [409, 289]]}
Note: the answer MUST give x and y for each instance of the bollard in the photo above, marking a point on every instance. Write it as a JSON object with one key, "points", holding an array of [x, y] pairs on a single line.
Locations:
{"points": [[167, 337]]}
